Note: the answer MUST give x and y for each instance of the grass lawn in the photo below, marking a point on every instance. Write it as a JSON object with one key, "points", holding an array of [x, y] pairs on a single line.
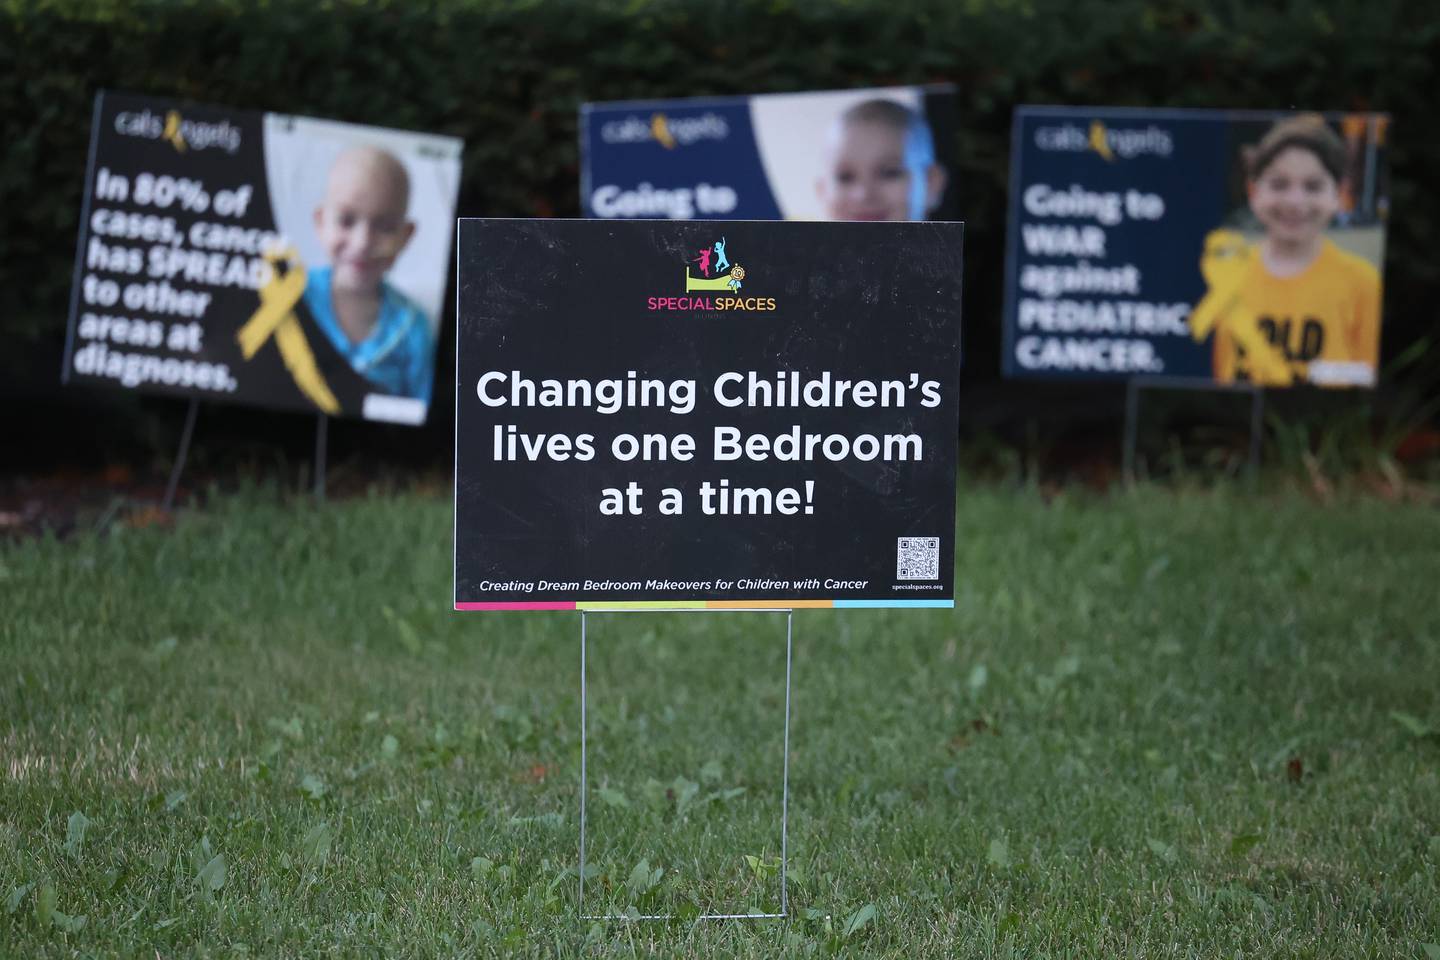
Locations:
{"points": [[1156, 724]]}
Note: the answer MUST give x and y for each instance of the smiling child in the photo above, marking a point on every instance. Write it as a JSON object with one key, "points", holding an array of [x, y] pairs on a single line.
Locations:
{"points": [[363, 225], [1294, 307]]}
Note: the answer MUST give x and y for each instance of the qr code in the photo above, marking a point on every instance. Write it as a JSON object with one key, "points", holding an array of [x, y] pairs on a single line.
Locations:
{"points": [[917, 558]]}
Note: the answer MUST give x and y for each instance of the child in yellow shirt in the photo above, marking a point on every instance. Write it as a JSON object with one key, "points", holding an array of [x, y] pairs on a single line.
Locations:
{"points": [[1295, 307]]}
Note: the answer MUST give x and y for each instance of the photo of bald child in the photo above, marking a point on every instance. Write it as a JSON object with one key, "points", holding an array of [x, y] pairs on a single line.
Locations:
{"points": [[363, 225], [880, 165]]}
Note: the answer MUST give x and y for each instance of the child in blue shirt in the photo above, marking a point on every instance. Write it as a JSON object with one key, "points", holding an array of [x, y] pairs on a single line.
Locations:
{"points": [[363, 226]]}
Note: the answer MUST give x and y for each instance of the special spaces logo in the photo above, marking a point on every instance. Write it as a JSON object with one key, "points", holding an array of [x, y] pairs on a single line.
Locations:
{"points": [[718, 274], [669, 132], [1109, 142]]}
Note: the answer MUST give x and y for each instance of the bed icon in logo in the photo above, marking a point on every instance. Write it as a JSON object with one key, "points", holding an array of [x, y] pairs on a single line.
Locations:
{"points": [[730, 280]]}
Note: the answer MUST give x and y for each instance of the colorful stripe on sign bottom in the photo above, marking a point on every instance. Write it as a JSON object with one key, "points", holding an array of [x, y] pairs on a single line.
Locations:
{"points": [[602, 605]]}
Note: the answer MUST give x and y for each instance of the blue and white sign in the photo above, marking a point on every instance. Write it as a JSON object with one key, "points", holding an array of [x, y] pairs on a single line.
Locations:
{"points": [[874, 154], [1202, 244]]}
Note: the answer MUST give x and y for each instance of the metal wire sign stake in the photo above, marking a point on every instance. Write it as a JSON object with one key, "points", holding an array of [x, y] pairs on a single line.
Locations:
{"points": [[629, 439], [784, 778], [1134, 385]]}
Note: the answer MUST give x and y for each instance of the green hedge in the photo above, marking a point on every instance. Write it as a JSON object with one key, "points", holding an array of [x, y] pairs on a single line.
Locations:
{"points": [[508, 77]]}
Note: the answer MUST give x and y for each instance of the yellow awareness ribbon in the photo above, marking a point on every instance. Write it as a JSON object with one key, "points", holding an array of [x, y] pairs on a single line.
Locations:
{"points": [[660, 130], [172, 131], [1100, 140], [276, 317], [1226, 260]]}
